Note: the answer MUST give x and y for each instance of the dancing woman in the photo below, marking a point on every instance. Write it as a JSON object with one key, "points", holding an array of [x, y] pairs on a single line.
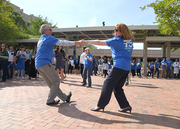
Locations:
{"points": [[121, 46]]}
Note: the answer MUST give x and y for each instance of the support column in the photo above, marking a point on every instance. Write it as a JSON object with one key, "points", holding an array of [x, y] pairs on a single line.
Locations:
{"points": [[164, 50], [168, 49], [67, 52], [145, 58]]}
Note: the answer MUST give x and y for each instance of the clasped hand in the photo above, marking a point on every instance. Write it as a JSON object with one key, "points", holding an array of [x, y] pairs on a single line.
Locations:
{"points": [[83, 42]]}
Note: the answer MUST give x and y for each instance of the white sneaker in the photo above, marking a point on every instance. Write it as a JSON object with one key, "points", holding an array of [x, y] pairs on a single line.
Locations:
{"points": [[22, 77], [17, 77]]}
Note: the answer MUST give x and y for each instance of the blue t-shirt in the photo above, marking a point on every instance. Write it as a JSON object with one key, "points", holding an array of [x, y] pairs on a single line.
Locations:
{"points": [[133, 67], [45, 47], [138, 66], [76, 61], [151, 65], [121, 52], [169, 63], [156, 64], [88, 63], [100, 61], [109, 64], [30, 54], [163, 66]]}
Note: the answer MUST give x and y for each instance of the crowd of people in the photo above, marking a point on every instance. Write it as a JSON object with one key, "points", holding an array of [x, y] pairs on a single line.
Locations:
{"points": [[167, 67], [22, 61]]}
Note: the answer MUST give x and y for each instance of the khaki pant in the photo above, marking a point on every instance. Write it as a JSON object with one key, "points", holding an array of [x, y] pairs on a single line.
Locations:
{"points": [[52, 79], [100, 70], [163, 73]]}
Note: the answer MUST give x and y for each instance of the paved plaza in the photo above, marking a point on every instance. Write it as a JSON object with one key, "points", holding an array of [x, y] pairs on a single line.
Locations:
{"points": [[155, 105]]}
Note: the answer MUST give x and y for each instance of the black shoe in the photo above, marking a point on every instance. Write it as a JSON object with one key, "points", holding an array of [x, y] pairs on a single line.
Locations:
{"points": [[126, 109], [69, 97], [53, 103], [83, 84], [88, 86], [97, 109], [2, 81]]}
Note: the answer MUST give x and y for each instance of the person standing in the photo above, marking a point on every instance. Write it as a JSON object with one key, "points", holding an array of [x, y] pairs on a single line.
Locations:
{"points": [[121, 46], [71, 64], [87, 68], [109, 66], [100, 70], [82, 60], [133, 68], [21, 55], [176, 68], [76, 62], [152, 67], [60, 55], [11, 61], [163, 68], [27, 62], [138, 67], [156, 66], [105, 66], [3, 61], [32, 68], [43, 63], [169, 67], [93, 66]]}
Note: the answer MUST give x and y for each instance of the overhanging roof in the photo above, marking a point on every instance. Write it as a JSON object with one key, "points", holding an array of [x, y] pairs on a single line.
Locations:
{"points": [[103, 32], [160, 41], [140, 33]]}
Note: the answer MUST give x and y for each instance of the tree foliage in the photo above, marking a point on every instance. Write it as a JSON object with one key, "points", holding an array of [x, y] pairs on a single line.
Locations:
{"points": [[167, 16], [8, 29], [36, 24]]}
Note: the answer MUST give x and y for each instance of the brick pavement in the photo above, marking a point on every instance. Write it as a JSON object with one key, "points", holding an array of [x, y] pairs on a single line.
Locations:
{"points": [[155, 104]]}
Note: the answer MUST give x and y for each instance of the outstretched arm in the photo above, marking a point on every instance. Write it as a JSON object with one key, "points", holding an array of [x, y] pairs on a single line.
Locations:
{"points": [[70, 43], [97, 42]]}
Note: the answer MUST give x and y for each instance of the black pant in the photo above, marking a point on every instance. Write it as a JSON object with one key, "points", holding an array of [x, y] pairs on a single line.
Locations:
{"points": [[70, 68], [81, 68], [27, 66], [138, 72], [133, 72], [11, 71], [168, 73], [3, 66], [152, 71], [105, 72], [114, 82]]}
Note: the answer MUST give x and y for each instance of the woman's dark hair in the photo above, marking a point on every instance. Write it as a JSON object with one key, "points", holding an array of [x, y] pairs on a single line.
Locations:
{"points": [[10, 46], [4, 48], [105, 60]]}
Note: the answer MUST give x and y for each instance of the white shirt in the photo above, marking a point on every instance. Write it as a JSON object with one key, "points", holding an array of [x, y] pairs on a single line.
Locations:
{"points": [[82, 58], [65, 43], [72, 62], [11, 56], [176, 67]]}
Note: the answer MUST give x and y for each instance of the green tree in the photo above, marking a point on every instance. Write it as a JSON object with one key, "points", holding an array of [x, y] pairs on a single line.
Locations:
{"points": [[36, 24], [167, 16], [21, 24], [8, 29]]}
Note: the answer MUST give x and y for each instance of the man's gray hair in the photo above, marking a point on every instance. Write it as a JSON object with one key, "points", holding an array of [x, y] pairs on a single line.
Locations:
{"points": [[43, 27]]}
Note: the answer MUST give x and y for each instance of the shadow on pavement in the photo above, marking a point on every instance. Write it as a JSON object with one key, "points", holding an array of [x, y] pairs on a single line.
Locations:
{"points": [[163, 120], [70, 110]]}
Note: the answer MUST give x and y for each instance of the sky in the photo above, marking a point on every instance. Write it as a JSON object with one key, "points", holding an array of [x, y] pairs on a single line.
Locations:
{"points": [[85, 13]]}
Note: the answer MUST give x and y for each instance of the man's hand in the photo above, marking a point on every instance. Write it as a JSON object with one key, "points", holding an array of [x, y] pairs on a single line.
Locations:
{"points": [[83, 42]]}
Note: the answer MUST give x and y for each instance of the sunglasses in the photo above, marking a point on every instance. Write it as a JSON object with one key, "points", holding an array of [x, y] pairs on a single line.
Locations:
{"points": [[116, 30], [49, 29]]}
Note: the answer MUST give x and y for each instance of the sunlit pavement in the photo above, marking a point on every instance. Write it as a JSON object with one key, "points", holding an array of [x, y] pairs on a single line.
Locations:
{"points": [[155, 104]]}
